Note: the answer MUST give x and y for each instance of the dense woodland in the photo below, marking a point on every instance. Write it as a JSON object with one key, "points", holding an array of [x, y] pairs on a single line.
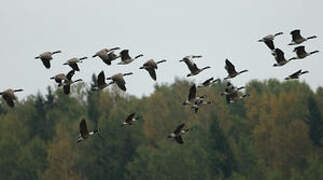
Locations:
{"points": [[276, 133]]}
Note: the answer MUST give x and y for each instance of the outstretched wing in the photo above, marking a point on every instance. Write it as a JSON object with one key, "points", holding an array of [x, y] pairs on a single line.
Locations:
{"points": [[46, 63], [229, 67], [67, 89], [179, 128], [152, 73], [101, 79], [83, 128], [9, 100], [70, 75], [296, 35], [192, 93], [75, 67], [280, 55], [121, 84], [125, 55], [296, 74], [270, 44], [130, 117], [179, 139], [207, 81]]}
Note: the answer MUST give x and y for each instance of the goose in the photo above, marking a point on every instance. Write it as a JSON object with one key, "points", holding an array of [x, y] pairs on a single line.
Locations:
{"points": [[178, 132], [130, 119], [61, 78], [107, 55], [230, 89], [73, 63], [208, 82], [280, 58], [192, 96], [126, 59], [192, 66], [69, 82], [231, 70], [100, 84], [150, 66], [233, 97], [198, 103], [119, 80], [301, 53], [297, 38], [269, 40], [9, 96], [296, 75], [46, 57], [84, 133]]}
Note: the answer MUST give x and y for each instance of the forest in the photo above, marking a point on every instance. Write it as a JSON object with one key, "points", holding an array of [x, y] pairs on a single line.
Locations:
{"points": [[274, 134]]}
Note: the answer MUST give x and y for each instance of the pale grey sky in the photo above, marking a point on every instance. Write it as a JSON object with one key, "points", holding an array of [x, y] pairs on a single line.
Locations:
{"points": [[164, 29]]}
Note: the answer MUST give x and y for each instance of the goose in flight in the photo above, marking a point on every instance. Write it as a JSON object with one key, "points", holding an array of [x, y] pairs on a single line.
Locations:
{"points": [[280, 58], [192, 96], [297, 38], [130, 119], [100, 83], [296, 75], [125, 57], [231, 70], [9, 96], [84, 133], [62, 78], [269, 40], [73, 63], [107, 55], [230, 89], [301, 53], [151, 66], [178, 132], [192, 66], [46, 57], [119, 80], [208, 82], [68, 82], [198, 103]]}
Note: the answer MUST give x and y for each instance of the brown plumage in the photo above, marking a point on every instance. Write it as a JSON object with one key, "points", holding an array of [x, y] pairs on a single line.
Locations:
{"points": [[151, 67], [46, 57], [119, 80], [9, 96]]}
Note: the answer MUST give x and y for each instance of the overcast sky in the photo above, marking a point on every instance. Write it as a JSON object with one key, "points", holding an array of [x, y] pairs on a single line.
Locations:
{"points": [[164, 29]]}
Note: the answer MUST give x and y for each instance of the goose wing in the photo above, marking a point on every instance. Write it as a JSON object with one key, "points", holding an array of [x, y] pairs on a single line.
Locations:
{"points": [[296, 74], [191, 66], [179, 128], [83, 128], [300, 51], [152, 73], [70, 75], [280, 55], [125, 55], [67, 89], [296, 35], [179, 139], [75, 67], [230, 67], [270, 44], [192, 93], [121, 83], [130, 117], [101, 79], [9, 100], [46, 63], [207, 82]]}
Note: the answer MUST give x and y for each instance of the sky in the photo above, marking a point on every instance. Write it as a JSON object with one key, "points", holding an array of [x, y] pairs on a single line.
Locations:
{"points": [[164, 29]]}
